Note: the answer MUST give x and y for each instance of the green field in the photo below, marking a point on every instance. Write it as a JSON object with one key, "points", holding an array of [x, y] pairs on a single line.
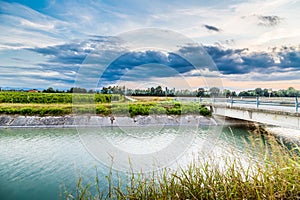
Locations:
{"points": [[56, 104]]}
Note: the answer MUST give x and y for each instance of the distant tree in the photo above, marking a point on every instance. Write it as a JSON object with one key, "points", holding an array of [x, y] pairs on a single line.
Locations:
{"points": [[214, 91], [200, 92], [158, 91], [91, 91], [259, 92], [104, 90], [265, 92], [226, 93], [77, 90], [244, 94], [49, 90], [291, 92]]}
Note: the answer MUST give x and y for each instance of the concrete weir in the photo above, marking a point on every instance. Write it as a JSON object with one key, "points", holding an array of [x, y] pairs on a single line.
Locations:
{"points": [[271, 117]]}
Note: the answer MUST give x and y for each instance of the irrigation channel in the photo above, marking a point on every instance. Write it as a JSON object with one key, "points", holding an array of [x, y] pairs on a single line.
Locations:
{"points": [[40, 163]]}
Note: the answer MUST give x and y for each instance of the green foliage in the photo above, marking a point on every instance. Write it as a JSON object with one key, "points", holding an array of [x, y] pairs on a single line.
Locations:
{"points": [[41, 111], [139, 109], [41, 104], [158, 110], [174, 111], [120, 109], [102, 110], [204, 111]]}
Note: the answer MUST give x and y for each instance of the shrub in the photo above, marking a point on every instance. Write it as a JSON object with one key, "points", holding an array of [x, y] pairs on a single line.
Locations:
{"points": [[122, 109], [102, 110], [204, 111], [157, 110]]}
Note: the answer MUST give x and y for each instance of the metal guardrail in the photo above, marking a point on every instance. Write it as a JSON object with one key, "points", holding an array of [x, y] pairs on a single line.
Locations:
{"points": [[258, 102]]}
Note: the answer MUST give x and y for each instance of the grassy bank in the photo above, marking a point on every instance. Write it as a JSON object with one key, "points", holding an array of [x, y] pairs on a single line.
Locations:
{"points": [[274, 174], [121, 109]]}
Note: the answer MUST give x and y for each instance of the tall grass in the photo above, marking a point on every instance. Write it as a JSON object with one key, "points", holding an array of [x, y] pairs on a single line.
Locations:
{"points": [[275, 174]]}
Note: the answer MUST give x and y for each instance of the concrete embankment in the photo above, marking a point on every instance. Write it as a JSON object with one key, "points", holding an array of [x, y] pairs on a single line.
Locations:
{"points": [[73, 121]]}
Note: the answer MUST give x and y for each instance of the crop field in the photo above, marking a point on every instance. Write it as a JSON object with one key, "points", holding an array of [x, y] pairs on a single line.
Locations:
{"points": [[58, 98], [56, 104]]}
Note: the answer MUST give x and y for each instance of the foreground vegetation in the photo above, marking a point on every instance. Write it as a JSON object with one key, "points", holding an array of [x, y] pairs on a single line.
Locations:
{"points": [[274, 174]]}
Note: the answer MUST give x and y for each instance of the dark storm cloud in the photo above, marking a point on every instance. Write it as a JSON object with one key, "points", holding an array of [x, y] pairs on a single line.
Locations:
{"points": [[241, 61], [108, 55], [75, 52], [132, 60], [212, 28], [268, 20]]}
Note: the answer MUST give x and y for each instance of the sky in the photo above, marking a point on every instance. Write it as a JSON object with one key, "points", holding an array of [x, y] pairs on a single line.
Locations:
{"points": [[234, 44]]}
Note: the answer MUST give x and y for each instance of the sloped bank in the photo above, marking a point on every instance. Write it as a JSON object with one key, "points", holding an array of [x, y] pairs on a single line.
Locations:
{"points": [[73, 121]]}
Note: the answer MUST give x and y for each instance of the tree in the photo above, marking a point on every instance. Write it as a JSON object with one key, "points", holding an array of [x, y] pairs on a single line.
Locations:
{"points": [[291, 92], [77, 90], [214, 91], [104, 90], [266, 92], [200, 92], [158, 91], [259, 92], [49, 90], [152, 91], [226, 93], [91, 91]]}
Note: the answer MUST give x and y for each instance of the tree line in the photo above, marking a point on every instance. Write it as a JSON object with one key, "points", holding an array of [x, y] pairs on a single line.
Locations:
{"points": [[165, 91]]}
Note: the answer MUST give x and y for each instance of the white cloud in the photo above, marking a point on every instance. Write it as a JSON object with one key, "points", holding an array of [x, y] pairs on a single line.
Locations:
{"points": [[23, 27]]}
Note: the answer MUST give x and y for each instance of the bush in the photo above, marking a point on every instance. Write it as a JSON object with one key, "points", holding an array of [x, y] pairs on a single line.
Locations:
{"points": [[174, 111], [138, 109], [157, 110], [102, 110], [204, 111], [122, 109]]}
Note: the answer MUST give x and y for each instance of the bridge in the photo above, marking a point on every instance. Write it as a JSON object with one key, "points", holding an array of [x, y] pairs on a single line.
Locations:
{"points": [[278, 112]]}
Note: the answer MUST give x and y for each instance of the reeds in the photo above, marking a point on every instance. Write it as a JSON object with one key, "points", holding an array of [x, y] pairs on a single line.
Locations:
{"points": [[273, 174]]}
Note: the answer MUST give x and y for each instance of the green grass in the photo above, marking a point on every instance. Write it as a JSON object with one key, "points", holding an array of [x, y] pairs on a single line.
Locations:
{"points": [[121, 109], [275, 175]]}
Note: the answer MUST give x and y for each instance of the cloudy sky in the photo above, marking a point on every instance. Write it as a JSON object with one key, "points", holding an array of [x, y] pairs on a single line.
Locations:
{"points": [[238, 44]]}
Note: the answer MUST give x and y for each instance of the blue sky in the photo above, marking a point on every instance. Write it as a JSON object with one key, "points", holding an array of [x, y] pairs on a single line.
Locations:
{"points": [[251, 43]]}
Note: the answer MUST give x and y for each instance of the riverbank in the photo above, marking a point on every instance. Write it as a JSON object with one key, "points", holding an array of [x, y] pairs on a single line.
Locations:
{"points": [[93, 120]]}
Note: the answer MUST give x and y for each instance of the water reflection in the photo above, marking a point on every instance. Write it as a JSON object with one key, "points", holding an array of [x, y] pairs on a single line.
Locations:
{"points": [[35, 163]]}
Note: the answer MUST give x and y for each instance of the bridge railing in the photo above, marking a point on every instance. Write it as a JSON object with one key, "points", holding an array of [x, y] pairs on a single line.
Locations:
{"points": [[286, 102], [258, 102]]}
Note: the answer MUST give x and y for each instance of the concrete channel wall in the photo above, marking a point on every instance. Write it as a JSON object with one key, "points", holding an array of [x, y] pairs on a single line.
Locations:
{"points": [[74, 121]]}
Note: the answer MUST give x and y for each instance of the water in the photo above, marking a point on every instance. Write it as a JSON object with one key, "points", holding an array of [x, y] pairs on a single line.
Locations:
{"points": [[42, 163]]}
